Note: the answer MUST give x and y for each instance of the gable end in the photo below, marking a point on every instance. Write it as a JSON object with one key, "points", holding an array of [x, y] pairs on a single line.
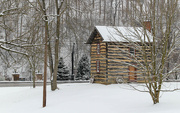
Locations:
{"points": [[95, 37]]}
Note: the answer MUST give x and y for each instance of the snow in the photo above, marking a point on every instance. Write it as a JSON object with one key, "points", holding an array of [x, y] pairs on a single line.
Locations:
{"points": [[123, 34], [86, 98], [1, 14]]}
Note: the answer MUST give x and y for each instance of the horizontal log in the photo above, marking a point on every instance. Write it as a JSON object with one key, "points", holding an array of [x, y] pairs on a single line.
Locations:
{"points": [[109, 55], [112, 58], [116, 56], [100, 81], [117, 46], [95, 44], [100, 53], [102, 57], [101, 69], [111, 63], [101, 64], [120, 49], [101, 43], [141, 81], [116, 60], [95, 50], [114, 45], [117, 73], [98, 56], [112, 81], [117, 49], [101, 61], [125, 44], [100, 73], [94, 57], [112, 77], [99, 76], [97, 37], [119, 67]]}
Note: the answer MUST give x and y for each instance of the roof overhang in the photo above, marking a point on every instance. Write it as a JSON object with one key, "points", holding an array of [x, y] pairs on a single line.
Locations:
{"points": [[120, 34]]}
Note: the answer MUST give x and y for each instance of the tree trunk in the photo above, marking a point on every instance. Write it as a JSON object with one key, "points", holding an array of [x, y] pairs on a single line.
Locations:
{"points": [[34, 77], [43, 9], [56, 56]]}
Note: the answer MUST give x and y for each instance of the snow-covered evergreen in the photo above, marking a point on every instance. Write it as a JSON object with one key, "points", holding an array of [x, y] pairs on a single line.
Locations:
{"points": [[83, 68], [63, 72]]}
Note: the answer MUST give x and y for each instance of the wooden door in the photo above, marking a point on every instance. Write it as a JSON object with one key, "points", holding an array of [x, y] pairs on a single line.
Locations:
{"points": [[132, 74]]}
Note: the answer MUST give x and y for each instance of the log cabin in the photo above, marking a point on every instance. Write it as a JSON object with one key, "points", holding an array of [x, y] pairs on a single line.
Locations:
{"points": [[113, 52]]}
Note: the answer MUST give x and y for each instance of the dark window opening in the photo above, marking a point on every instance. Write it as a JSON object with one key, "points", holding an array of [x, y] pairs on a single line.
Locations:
{"points": [[132, 51], [97, 66], [98, 48]]}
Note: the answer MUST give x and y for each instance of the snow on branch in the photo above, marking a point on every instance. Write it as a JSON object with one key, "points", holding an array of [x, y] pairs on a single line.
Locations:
{"points": [[20, 45], [33, 6], [15, 51], [6, 12]]}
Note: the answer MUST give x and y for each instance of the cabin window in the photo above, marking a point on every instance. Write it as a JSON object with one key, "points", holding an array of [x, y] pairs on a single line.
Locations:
{"points": [[97, 66], [132, 51], [98, 48]]}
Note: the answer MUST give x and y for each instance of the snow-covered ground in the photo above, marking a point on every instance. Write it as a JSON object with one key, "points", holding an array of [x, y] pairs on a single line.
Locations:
{"points": [[86, 98]]}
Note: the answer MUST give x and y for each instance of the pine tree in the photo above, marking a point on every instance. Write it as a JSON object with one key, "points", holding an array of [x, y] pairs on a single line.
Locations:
{"points": [[63, 72], [83, 68]]}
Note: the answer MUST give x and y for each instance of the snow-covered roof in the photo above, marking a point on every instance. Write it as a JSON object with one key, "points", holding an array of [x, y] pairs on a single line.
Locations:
{"points": [[122, 34]]}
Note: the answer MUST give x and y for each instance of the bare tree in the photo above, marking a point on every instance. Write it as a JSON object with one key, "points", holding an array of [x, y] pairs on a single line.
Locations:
{"points": [[60, 8], [156, 50], [13, 43]]}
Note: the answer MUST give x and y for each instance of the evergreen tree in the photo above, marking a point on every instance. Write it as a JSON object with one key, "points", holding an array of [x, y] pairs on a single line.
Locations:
{"points": [[63, 72], [83, 70]]}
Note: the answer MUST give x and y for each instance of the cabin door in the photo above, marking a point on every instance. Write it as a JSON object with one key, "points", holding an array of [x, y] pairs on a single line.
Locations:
{"points": [[132, 74]]}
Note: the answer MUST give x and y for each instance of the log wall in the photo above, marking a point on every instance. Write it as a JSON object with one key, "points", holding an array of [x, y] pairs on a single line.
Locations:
{"points": [[118, 57], [113, 58], [99, 77]]}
